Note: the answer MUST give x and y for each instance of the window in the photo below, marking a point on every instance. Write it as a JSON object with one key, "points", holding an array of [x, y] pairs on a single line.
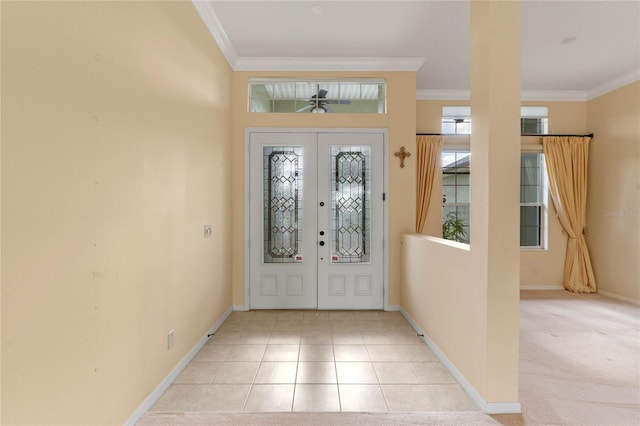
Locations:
{"points": [[534, 120], [363, 96], [456, 198], [455, 195], [456, 120], [532, 206]]}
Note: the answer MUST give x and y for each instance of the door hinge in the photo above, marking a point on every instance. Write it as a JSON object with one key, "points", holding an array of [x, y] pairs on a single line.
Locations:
{"points": [[384, 196]]}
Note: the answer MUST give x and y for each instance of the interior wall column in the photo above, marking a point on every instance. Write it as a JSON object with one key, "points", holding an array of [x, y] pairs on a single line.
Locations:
{"points": [[495, 190]]}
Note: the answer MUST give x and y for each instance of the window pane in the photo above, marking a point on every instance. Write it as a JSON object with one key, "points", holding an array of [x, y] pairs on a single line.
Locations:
{"points": [[462, 179], [462, 195], [449, 127], [456, 111], [530, 229], [282, 178], [456, 125], [456, 119], [456, 189], [530, 178], [534, 111], [531, 182], [531, 126], [534, 120], [529, 159], [322, 96], [350, 204], [529, 194], [455, 225], [464, 128], [449, 193]]}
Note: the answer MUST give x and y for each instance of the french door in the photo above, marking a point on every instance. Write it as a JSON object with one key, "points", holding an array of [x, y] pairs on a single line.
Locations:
{"points": [[316, 220]]}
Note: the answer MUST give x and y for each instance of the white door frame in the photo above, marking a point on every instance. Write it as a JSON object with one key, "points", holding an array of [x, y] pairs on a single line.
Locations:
{"points": [[247, 233]]}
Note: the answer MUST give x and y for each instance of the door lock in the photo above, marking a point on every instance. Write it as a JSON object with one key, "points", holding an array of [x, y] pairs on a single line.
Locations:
{"points": [[321, 243], [321, 232], [321, 203]]}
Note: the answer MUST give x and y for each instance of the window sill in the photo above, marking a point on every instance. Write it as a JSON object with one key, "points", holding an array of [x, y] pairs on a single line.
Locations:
{"points": [[533, 249]]}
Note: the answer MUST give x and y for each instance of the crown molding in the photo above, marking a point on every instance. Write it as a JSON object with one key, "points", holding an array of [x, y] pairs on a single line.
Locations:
{"points": [[526, 95], [613, 84], [211, 21], [327, 64], [246, 63]]}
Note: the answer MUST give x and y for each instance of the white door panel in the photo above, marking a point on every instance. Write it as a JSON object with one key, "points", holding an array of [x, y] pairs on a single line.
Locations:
{"points": [[350, 183], [282, 221]]}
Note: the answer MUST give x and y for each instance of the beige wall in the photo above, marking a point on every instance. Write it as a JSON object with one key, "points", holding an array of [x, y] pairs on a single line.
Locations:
{"points": [[116, 121], [400, 120], [449, 312], [537, 267], [613, 203]]}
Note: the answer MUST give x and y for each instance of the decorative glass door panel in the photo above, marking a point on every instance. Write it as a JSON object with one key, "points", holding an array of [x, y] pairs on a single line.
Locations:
{"points": [[283, 190], [350, 204]]}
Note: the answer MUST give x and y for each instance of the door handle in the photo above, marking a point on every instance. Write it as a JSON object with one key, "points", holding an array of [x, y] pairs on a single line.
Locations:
{"points": [[321, 232], [321, 243]]}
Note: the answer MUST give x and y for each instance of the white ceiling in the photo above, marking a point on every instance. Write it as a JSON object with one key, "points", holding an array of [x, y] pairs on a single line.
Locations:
{"points": [[570, 49]]}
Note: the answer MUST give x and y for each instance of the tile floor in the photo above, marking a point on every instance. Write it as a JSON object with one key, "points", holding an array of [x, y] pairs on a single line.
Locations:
{"points": [[315, 361]]}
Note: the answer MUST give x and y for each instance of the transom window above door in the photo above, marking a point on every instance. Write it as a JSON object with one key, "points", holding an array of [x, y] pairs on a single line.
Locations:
{"points": [[318, 96]]}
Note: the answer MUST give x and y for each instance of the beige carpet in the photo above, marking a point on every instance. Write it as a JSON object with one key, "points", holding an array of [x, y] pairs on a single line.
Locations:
{"points": [[579, 359], [579, 365]]}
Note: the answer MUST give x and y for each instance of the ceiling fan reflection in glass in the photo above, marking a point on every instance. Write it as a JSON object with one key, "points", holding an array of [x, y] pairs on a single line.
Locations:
{"points": [[318, 103], [281, 95]]}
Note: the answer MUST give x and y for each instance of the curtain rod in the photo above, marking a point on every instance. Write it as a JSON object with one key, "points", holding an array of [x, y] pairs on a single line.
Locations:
{"points": [[590, 135]]}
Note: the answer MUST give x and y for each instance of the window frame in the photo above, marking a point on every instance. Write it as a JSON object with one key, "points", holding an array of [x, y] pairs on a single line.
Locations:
{"points": [[302, 93], [542, 204], [543, 196], [450, 114]]}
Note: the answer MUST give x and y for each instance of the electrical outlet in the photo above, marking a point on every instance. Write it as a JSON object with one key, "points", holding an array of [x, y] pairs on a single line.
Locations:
{"points": [[170, 340], [207, 231]]}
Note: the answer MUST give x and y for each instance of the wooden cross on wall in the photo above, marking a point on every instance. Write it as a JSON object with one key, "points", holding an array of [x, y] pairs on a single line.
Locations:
{"points": [[402, 154]]}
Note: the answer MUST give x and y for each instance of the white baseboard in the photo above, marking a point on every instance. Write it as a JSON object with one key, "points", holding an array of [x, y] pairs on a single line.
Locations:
{"points": [[240, 308], [541, 287], [618, 297], [503, 408], [164, 384], [489, 408], [393, 308]]}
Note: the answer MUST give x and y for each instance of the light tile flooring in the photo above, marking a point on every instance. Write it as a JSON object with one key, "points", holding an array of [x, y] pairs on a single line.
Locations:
{"points": [[315, 361]]}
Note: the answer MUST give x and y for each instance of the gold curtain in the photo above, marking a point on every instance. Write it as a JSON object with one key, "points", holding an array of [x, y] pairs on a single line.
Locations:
{"points": [[567, 158], [429, 149]]}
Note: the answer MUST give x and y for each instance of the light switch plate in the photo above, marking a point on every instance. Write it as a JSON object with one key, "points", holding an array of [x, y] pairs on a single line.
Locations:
{"points": [[207, 231], [170, 339]]}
